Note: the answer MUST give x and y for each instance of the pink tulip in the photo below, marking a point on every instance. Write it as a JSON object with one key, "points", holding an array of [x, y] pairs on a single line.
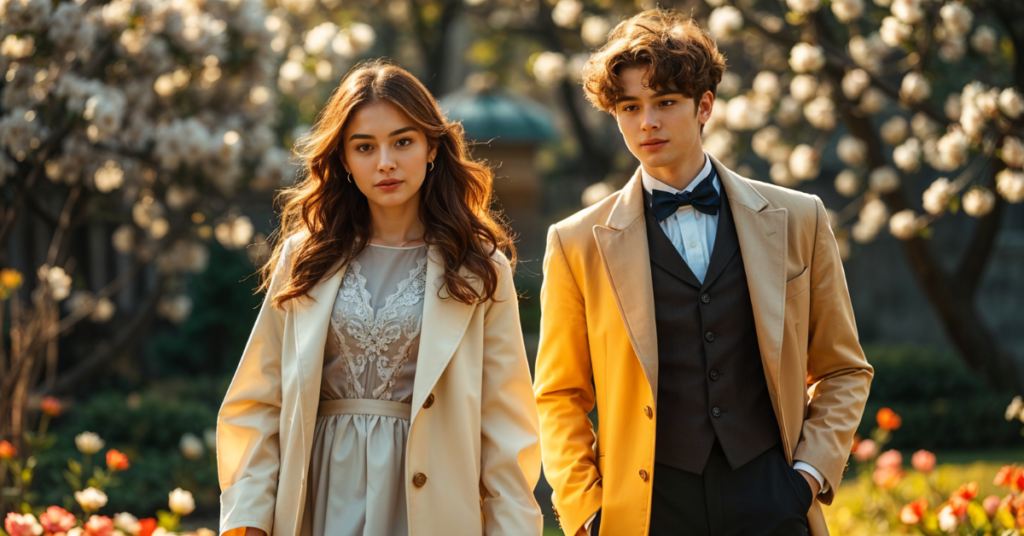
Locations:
{"points": [[99, 526], [22, 525], [57, 519], [887, 477], [991, 504], [923, 461], [865, 451], [890, 459]]}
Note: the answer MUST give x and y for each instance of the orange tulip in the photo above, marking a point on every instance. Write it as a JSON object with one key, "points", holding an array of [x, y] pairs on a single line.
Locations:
{"points": [[888, 419], [51, 406], [912, 513], [962, 497], [116, 460], [147, 526], [856, 442], [1004, 476], [7, 450], [10, 278]]}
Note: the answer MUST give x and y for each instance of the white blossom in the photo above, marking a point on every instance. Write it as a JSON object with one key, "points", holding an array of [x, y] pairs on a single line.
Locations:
{"points": [[806, 58], [128, 523], [14, 47], [1011, 103], [89, 443], [91, 499], [873, 216], [938, 195], [804, 162], [984, 40], [319, 37], [923, 126], [952, 107], [894, 32], [948, 521], [987, 102], [743, 113], [109, 176], [1013, 152], [719, 144], [1010, 185], [852, 150], [729, 85], [803, 87], [952, 151], [915, 88], [20, 15], [767, 83], [884, 180], [872, 101], [567, 12], [978, 201], [724, 23], [804, 7], [904, 224], [103, 312], [175, 308], [867, 52], [953, 48], [957, 19], [908, 155], [847, 10], [124, 238], [181, 502], [595, 30], [765, 140], [234, 233], [57, 280], [855, 82], [821, 113], [908, 11], [790, 111], [191, 446], [894, 131], [549, 68], [847, 184], [779, 174]]}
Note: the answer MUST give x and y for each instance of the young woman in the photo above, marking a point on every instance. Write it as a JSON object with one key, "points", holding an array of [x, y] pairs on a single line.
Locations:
{"points": [[384, 389]]}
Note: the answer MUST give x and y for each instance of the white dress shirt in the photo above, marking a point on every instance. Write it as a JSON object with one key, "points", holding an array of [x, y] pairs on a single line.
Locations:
{"points": [[693, 233]]}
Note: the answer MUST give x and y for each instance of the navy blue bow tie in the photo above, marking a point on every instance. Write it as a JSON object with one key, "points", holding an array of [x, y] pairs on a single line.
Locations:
{"points": [[704, 198]]}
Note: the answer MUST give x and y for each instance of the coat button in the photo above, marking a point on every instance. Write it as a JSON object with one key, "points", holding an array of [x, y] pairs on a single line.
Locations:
{"points": [[709, 336], [419, 479], [716, 412], [643, 475], [429, 401], [705, 298], [649, 412], [713, 375]]}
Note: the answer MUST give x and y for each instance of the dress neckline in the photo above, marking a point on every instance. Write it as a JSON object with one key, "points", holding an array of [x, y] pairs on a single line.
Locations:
{"points": [[397, 247]]}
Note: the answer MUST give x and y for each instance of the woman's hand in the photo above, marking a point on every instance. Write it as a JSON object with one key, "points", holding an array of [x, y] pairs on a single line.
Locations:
{"points": [[249, 531]]}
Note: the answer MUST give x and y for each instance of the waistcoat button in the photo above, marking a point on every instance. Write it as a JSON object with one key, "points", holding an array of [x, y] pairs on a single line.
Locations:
{"points": [[713, 374], [716, 412], [709, 336], [705, 298]]}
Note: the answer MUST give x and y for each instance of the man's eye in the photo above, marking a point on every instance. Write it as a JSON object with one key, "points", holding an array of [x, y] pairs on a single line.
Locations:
{"points": [[629, 108], [667, 102]]}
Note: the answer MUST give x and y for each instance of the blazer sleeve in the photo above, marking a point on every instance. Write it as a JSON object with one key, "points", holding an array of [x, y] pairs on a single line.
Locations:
{"points": [[510, 445], [837, 371], [565, 394], [249, 422]]}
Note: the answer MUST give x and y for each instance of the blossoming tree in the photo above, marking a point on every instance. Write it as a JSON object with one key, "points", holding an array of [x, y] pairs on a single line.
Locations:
{"points": [[129, 130], [901, 90]]}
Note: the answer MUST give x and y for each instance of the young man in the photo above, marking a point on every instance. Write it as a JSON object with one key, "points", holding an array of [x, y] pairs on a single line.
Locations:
{"points": [[706, 314]]}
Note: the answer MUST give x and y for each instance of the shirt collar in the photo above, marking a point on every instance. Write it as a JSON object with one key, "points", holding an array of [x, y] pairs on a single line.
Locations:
{"points": [[650, 183]]}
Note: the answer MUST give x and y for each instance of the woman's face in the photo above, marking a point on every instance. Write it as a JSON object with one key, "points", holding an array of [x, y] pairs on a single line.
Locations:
{"points": [[386, 155]]}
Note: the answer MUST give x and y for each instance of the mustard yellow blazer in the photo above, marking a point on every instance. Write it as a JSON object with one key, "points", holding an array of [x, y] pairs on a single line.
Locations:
{"points": [[598, 325], [477, 443]]}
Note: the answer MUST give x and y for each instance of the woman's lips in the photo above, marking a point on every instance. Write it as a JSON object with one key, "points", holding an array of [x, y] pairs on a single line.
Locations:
{"points": [[654, 144], [388, 185]]}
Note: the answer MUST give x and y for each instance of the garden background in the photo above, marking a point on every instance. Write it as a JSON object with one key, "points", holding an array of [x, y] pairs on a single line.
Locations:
{"points": [[142, 141]]}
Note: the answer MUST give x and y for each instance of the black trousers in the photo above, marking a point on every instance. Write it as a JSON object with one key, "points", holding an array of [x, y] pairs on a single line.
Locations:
{"points": [[765, 497]]}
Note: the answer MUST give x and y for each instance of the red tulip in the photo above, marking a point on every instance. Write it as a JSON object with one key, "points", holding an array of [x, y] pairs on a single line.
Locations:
{"points": [[116, 460], [51, 406], [7, 450], [1004, 476], [147, 526], [962, 497], [57, 519], [912, 513], [888, 419], [923, 461]]}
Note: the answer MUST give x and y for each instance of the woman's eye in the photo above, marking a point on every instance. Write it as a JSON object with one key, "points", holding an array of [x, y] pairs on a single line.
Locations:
{"points": [[403, 142], [363, 148]]}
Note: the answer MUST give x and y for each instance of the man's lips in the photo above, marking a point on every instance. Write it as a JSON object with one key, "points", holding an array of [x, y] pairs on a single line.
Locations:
{"points": [[653, 144], [388, 185]]}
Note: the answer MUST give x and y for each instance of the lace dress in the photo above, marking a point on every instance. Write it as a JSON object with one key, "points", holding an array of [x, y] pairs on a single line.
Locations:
{"points": [[356, 484]]}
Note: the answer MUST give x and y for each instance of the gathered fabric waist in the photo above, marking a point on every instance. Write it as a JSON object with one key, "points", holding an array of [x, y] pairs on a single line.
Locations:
{"points": [[365, 406]]}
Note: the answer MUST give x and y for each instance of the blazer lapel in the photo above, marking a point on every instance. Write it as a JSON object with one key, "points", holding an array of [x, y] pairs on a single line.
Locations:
{"points": [[626, 257], [761, 233], [444, 324]]}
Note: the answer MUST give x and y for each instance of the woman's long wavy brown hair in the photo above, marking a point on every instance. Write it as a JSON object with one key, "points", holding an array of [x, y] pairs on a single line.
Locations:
{"points": [[455, 199]]}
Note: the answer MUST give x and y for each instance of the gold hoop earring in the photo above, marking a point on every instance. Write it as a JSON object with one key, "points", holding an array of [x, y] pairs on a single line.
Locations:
{"points": [[349, 177], [431, 168]]}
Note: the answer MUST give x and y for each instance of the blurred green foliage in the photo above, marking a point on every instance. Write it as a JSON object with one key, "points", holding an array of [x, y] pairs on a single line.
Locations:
{"points": [[944, 405]]}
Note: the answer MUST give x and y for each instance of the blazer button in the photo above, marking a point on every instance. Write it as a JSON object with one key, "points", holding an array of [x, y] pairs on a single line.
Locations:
{"points": [[709, 336], [419, 479], [643, 475], [429, 401], [716, 412], [705, 298], [649, 412]]}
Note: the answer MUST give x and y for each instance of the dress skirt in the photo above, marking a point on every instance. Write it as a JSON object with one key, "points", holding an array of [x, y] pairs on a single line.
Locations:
{"points": [[356, 484]]}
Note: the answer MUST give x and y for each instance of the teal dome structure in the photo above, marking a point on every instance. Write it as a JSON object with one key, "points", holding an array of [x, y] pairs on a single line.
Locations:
{"points": [[498, 117]]}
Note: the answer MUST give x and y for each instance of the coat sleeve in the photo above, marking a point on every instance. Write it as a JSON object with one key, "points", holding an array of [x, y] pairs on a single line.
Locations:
{"points": [[565, 394], [510, 446], [248, 424], [837, 371]]}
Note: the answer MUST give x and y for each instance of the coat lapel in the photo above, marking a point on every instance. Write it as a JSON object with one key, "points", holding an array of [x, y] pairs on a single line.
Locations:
{"points": [[761, 232], [626, 257], [444, 324]]}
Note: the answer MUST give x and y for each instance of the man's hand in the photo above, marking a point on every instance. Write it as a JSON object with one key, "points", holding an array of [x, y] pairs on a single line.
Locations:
{"points": [[250, 531], [812, 482]]}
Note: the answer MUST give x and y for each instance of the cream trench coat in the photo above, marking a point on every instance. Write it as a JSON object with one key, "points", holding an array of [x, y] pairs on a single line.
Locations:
{"points": [[477, 443]]}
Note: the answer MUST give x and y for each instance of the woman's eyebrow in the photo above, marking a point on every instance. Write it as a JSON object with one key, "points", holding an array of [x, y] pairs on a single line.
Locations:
{"points": [[370, 137]]}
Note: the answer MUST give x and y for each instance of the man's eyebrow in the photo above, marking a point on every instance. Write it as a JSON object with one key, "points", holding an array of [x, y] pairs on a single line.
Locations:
{"points": [[369, 137], [661, 93]]}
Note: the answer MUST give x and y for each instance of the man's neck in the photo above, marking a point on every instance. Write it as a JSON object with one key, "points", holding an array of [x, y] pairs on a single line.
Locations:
{"points": [[681, 173]]}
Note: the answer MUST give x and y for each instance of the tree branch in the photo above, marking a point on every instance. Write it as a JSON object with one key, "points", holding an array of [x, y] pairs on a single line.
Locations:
{"points": [[975, 259]]}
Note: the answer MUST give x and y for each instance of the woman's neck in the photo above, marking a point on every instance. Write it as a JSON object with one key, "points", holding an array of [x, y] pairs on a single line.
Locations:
{"points": [[397, 226]]}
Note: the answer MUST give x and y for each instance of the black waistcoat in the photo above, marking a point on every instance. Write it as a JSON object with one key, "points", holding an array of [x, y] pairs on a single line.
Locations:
{"points": [[711, 382]]}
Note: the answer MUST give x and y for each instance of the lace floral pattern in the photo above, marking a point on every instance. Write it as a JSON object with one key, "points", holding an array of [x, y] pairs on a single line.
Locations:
{"points": [[381, 341]]}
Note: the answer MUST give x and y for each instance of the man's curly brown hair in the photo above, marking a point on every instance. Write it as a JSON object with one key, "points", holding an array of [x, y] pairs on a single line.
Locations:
{"points": [[679, 56]]}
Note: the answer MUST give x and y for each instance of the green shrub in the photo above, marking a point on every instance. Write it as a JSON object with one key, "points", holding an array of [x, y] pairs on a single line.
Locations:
{"points": [[943, 404]]}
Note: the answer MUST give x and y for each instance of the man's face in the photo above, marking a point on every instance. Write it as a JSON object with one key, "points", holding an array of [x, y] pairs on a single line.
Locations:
{"points": [[661, 127]]}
